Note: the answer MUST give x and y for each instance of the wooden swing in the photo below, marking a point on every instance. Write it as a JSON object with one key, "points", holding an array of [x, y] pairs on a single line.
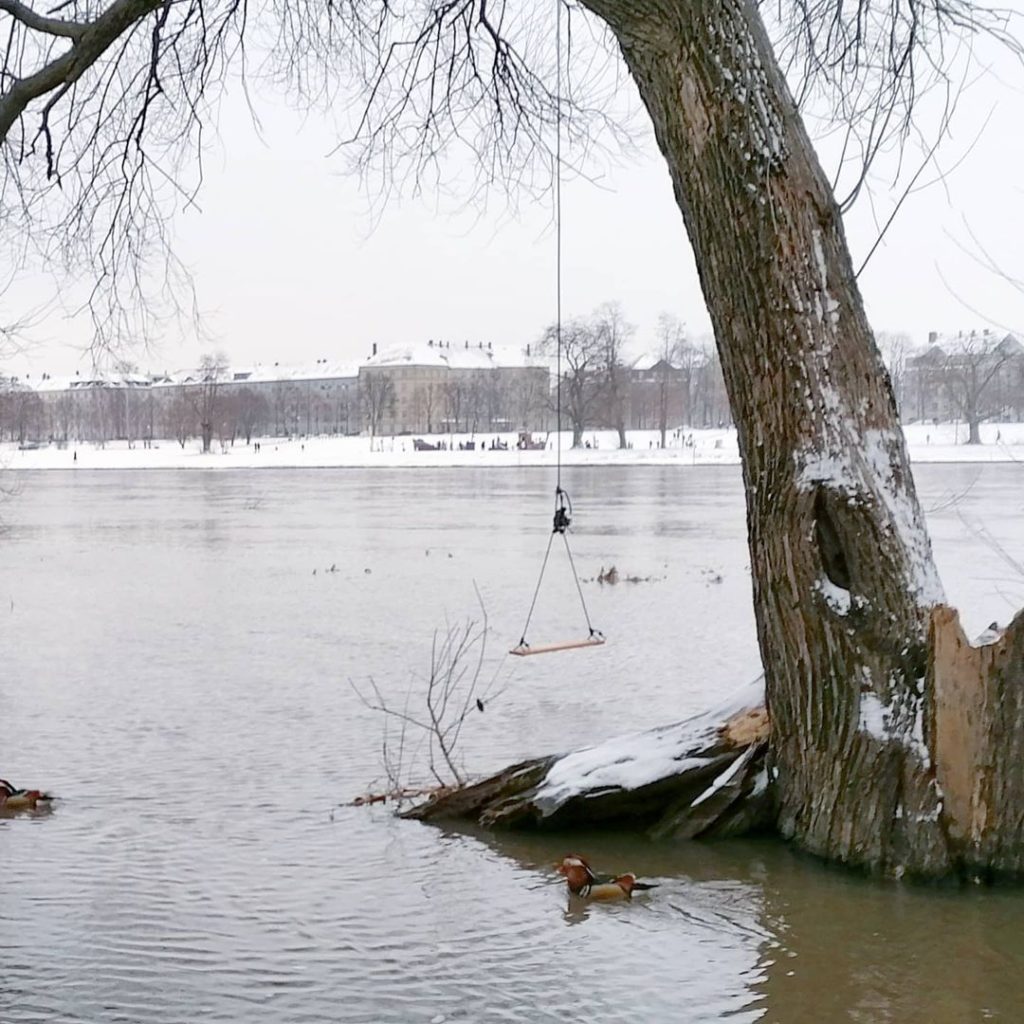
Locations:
{"points": [[566, 645], [595, 638], [563, 505]]}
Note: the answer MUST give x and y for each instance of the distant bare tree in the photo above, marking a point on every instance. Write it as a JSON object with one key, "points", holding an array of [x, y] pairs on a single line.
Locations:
{"points": [[529, 400], [252, 411], [21, 411], [377, 399], [476, 403], [181, 416], [455, 403], [894, 349], [675, 353], [65, 414], [614, 331], [971, 366], [497, 398], [205, 394], [579, 389], [710, 401], [425, 400]]}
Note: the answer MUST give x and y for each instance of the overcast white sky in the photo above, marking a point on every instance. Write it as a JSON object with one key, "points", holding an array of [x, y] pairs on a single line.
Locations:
{"points": [[289, 268]]}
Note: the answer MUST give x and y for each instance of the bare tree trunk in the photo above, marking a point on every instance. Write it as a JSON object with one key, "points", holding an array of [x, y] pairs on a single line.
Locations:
{"points": [[841, 562]]}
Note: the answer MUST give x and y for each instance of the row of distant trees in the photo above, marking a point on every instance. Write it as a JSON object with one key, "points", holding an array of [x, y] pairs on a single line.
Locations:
{"points": [[209, 407], [971, 378], [599, 386]]}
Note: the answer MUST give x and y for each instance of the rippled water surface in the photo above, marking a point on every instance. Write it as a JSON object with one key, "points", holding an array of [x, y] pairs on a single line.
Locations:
{"points": [[175, 669]]}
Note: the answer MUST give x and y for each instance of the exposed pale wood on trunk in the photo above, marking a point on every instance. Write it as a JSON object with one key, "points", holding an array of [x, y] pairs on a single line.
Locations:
{"points": [[978, 725]]}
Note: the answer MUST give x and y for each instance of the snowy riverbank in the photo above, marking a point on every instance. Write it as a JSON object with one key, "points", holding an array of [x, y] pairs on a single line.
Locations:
{"points": [[928, 443]]}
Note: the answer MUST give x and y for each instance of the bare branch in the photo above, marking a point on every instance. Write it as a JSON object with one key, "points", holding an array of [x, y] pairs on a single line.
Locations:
{"points": [[91, 42], [451, 692], [40, 22]]}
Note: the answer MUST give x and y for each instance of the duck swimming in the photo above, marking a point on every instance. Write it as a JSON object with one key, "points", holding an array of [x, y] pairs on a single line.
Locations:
{"points": [[582, 881], [13, 800]]}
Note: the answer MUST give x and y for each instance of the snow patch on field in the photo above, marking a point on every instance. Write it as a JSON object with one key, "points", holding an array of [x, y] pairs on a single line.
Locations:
{"points": [[710, 447]]}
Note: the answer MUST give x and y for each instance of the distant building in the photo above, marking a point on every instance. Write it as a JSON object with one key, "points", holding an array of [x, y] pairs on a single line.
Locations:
{"points": [[980, 368], [684, 395], [658, 393], [456, 387], [434, 387]]}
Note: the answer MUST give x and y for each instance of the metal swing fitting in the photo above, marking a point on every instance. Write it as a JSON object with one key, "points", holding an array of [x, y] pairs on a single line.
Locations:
{"points": [[563, 509]]}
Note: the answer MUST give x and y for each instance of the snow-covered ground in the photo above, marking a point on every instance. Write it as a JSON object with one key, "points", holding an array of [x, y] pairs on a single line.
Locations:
{"points": [[1003, 442]]}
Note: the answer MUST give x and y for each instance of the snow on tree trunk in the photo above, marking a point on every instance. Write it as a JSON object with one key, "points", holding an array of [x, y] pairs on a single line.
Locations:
{"points": [[841, 561]]}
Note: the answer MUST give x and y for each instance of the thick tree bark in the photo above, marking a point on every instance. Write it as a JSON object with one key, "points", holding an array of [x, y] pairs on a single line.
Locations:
{"points": [[841, 561]]}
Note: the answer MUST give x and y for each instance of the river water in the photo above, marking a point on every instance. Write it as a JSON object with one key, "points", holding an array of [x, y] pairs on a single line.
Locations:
{"points": [[178, 661]]}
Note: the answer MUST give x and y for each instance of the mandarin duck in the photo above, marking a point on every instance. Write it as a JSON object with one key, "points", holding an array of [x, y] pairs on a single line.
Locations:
{"points": [[582, 881], [12, 799]]}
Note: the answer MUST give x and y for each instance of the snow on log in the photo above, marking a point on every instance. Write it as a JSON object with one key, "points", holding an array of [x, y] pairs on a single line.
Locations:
{"points": [[700, 777]]}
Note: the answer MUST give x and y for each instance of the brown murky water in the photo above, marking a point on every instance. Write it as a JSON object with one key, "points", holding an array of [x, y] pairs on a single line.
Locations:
{"points": [[176, 671]]}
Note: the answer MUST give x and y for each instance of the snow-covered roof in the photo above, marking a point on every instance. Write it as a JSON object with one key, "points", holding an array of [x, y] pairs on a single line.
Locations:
{"points": [[651, 361], [456, 355], [45, 382], [320, 369], [940, 345]]}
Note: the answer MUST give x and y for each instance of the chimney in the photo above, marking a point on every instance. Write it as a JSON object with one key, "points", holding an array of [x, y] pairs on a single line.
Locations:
{"points": [[479, 344], [933, 336], [430, 343], [374, 352], [527, 348], [488, 346], [467, 343]]}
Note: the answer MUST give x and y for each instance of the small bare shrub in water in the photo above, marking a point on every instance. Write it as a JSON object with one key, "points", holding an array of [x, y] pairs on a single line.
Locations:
{"points": [[421, 732]]}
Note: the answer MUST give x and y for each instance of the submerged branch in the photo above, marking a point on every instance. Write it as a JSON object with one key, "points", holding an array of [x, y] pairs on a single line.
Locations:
{"points": [[702, 777]]}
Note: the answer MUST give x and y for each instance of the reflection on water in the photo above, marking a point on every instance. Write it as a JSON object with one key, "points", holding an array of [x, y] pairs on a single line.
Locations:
{"points": [[176, 670]]}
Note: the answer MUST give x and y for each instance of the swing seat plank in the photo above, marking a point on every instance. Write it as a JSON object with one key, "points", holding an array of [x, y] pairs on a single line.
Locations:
{"points": [[568, 645]]}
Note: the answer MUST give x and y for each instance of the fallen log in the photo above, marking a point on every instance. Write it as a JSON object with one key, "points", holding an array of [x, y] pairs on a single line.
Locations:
{"points": [[702, 777]]}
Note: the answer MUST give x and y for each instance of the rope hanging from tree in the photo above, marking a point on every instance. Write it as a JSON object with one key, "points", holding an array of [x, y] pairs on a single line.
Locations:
{"points": [[563, 503]]}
